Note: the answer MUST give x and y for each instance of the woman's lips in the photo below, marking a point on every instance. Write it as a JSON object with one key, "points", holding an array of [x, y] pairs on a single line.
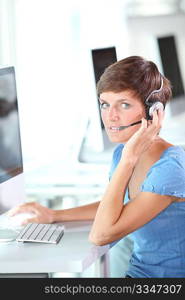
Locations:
{"points": [[114, 128]]}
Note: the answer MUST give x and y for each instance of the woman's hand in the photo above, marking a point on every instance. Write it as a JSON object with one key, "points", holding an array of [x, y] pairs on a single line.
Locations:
{"points": [[42, 214], [143, 138]]}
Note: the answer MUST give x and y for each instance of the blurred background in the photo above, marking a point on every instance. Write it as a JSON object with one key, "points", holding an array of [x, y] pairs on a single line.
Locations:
{"points": [[59, 49]]}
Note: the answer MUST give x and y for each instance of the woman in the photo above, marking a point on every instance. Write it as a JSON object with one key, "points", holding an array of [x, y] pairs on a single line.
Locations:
{"points": [[146, 193]]}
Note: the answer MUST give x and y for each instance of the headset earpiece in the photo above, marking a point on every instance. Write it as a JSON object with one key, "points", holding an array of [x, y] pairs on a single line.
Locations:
{"points": [[156, 106]]}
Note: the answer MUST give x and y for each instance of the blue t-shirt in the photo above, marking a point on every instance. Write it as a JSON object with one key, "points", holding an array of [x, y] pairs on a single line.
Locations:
{"points": [[159, 245]]}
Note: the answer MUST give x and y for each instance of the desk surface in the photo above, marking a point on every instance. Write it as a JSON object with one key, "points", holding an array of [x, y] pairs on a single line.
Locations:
{"points": [[74, 253]]}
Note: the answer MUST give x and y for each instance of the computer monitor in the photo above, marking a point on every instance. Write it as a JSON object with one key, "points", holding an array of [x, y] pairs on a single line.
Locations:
{"points": [[102, 58], [172, 70], [12, 190]]}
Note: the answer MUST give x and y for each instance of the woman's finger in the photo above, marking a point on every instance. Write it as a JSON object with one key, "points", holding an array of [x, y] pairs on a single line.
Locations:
{"points": [[155, 119], [143, 125], [160, 116], [156, 123]]}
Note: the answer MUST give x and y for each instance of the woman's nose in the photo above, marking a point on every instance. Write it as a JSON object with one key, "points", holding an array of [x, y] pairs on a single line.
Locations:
{"points": [[113, 113]]}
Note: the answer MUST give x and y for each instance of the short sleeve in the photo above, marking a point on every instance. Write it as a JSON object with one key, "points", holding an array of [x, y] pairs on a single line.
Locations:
{"points": [[167, 176], [115, 159]]}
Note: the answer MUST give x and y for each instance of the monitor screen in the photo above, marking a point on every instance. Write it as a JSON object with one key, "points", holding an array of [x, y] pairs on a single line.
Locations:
{"points": [[170, 63], [11, 163], [102, 58]]}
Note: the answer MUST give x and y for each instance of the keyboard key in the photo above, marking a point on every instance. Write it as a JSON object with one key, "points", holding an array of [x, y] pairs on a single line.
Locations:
{"points": [[57, 234], [36, 232], [43, 232], [21, 234], [29, 230], [49, 233]]}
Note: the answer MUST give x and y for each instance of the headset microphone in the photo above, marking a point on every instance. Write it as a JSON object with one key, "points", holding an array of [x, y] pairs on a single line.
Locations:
{"points": [[124, 127]]}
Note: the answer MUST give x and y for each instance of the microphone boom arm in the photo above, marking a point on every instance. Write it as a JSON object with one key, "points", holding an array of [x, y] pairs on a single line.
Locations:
{"points": [[123, 127]]}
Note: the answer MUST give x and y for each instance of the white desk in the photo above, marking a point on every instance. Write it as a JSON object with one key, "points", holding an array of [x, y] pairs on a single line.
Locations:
{"points": [[73, 254]]}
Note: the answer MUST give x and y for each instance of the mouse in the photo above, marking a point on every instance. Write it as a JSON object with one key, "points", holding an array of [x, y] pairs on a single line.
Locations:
{"points": [[16, 220]]}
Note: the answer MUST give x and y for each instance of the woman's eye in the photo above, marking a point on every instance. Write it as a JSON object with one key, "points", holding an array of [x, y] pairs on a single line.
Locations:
{"points": [[104, 105], [125, 105]]}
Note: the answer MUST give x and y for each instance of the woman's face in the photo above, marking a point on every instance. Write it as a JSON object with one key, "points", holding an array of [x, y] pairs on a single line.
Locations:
{"points": [[120, 109]]}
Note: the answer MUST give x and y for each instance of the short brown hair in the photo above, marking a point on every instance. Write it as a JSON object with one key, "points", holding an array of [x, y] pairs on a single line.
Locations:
{"points": [[137, 74]]}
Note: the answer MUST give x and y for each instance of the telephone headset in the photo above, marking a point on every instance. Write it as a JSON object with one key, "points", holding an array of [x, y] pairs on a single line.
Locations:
{"points": [[151, 106]]}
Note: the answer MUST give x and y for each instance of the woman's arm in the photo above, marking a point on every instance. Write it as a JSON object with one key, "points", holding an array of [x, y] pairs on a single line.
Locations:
{"points": [[132, 216], [47, 215], [112, 204], [80, 213]]}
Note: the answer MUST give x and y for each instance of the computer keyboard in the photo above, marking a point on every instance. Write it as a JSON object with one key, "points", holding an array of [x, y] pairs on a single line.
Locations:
{"points": [[41, 233]]}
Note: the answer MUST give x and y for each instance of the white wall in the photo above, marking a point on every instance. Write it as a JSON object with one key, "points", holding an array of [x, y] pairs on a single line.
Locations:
{"points": [[7, 32], [51, 88]]}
